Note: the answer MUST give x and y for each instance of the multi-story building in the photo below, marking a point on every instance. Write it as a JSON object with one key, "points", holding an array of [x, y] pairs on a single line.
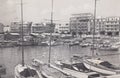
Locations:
{"points": [[107, 26], [99, 25], [38, 28], [42, 28], [81, 23], [16, 27], [112, 26], [62, 28]]}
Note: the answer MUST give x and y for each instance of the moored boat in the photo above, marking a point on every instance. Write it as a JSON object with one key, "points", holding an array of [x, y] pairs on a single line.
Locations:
{"points": [[26, 71], [100, 66], [108, 47], [78, 70]]}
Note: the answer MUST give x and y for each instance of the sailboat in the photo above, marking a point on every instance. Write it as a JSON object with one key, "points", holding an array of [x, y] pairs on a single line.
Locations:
{"points": [[47, 69], [23, 70], [96, 64]]}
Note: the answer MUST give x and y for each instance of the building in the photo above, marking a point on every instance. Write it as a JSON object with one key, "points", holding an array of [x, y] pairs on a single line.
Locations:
{"points": [[50, 27], [1, 28], [63, 28], [38, 28], [112, 26], [16, 27], [81, 23], [99, 25], [109, 26], [7, 28], [42, 28]]}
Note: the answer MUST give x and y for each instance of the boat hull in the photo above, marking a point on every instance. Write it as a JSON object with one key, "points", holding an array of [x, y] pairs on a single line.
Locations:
{"points": [[99, 69], [21, 72], [108, 49]]}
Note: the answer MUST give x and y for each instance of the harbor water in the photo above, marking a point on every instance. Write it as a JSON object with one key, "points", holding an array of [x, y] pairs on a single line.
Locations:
{"points": [[10, 57]]}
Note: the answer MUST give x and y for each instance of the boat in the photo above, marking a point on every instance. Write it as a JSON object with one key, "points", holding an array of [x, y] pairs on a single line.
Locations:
{"points": [[73, 43], [84, 44], [78, 70], [26, 71], [53, 43], [105, 47], [23, 70], [100, 66], [50, 70], [47, 69], [96, 64]]}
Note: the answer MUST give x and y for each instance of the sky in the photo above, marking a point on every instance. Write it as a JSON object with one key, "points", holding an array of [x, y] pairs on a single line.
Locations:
{"points": [[39, 10]]}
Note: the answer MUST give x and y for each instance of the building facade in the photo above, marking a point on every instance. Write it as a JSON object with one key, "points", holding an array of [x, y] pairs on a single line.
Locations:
{"points": [[1, 28], [109, 26], [62, 28], [16, 27], [42, 28], [112, 26], [81, 23], [38, 28]]}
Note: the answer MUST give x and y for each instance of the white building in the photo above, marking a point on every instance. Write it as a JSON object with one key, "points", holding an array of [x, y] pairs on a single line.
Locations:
{"points": [[112, 26], [62, 28], [7, 28], [81, 23]]}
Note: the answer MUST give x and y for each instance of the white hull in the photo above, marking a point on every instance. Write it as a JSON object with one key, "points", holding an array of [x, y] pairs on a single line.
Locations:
{"points": [[100, 70], [19, 68]]}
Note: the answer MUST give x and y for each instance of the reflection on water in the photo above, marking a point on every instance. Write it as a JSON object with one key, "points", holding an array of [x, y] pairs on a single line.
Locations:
{"points": [[12, 56]]}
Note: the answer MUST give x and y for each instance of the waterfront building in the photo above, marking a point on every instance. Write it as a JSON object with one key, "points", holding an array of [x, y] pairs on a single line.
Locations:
{"points": [[63, 28], [109, 26], [81, 23], [38, 28], [11, 36], [7, 28], [42, 28], [16, 27], [1, 28], [112, 26], [99, 26]]}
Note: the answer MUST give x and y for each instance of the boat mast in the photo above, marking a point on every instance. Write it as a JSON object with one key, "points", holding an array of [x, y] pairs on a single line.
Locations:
{"points": [[22, 32], [49, 60], [94, 23]]}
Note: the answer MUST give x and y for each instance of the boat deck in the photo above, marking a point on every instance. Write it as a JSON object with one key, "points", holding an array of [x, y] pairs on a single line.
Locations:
{"points": [[52, 73]]}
